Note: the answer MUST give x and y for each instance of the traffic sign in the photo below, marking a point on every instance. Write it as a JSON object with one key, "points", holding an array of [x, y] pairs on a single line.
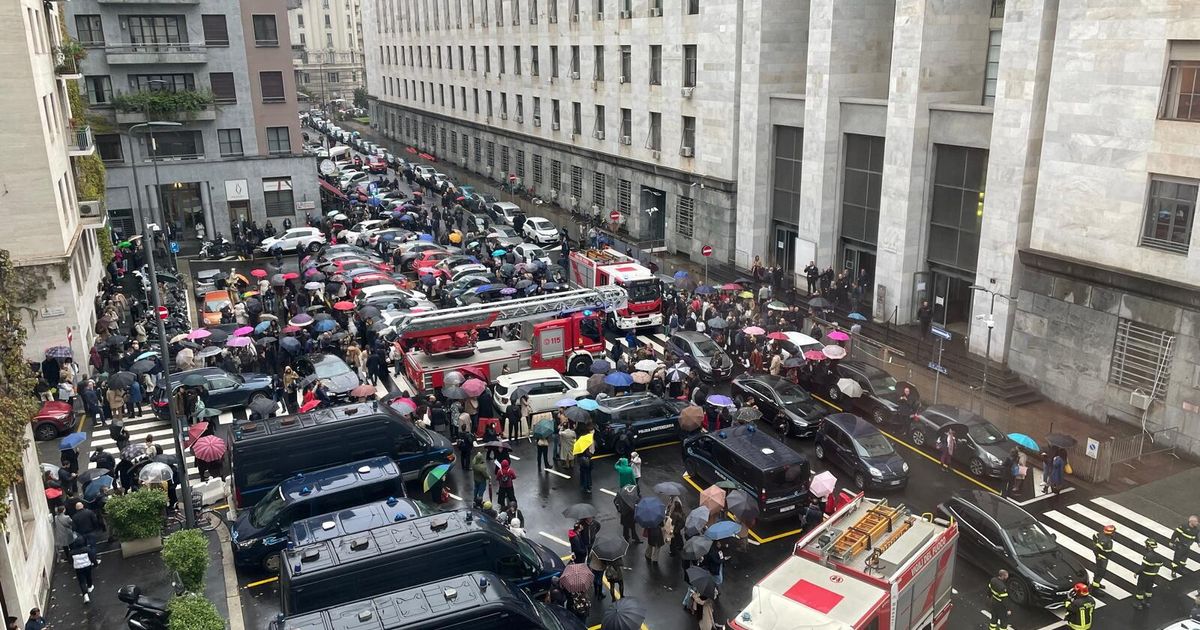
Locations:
{"points": [[614, 216], [937, 367], [327, 167], [1093, 448], [174, 247], [162, 312], [706, 251], [372, 188], [938, 331]]}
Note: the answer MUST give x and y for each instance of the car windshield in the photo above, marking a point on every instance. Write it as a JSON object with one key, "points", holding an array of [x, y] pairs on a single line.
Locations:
{"points": [[883, 383], [790, 394], [985, 433], [643, 290], [215, 305], [534, 252], [1029, 539], [873, 446], [504, 230], [704, 346], [541, 224], [330, 368], [267, 509], [529, 554]]}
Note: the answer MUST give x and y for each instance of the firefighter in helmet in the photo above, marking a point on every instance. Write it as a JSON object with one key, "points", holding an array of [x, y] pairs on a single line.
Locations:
{"points": [[1147, 575], [998, 589], [1102, 545], [1181, 540], [1079, 608]]}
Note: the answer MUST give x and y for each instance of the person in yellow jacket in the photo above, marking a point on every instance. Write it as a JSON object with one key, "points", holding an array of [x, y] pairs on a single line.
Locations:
{"points": [[1079, 608], [1147, 575], [1102, 545], [998, 590]]}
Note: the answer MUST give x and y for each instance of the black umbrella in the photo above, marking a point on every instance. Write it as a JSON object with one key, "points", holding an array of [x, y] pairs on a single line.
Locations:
{"points": [[220, 275], [143, 366], [702, 581], [115, 341], [577, 415], [793, 362], [91, 474], [1061, 441], [315, 308], [379, 326], [741, 505], [669, 488], [610, 549], [253, 306], [819, 303], [580, 511], [262, 341], [290, 344], [320, 316], [747, 414], [277, 280], [218, 336], [193, 380], [695, 548], [744, 281], [121, 380], [628, 495], [626, 613], [368, 312], [262, 405], [316, 277]]}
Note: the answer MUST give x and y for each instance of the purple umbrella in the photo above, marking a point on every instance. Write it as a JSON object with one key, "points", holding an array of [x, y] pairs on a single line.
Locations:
{"points": [[718, 400], [239, 342]]}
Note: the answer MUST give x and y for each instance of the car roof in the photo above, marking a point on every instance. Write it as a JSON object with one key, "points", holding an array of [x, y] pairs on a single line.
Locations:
{"points": [[758, 448], [624, 401], [216, 295], [866, 368], [322, 357], [380, 288], [1003, 511], [528, 376], [766, 379], [956, 415], [801, 339], [335, 478], [690, 335], [853, 425]]}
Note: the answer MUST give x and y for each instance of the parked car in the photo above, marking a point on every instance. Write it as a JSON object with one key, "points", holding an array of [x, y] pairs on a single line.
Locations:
{"points": [[505, 211], [880, 401], [861, 451], [353, 234], [649, 419], [350, 179], [544, 388], [994, 533], [54, 419], [784, 404], [210, 309], [699, 352], [376, 164], [797, 344], [339, 379], [528, 253], [206, 281], [755, 462], [294, 240], [540, 230], [503, 237], [220, 389], [978, 443]]}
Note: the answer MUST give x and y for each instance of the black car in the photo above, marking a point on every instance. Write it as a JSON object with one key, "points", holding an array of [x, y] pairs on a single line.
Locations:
{"points": [[338, 378], [701, 353], [978, 443], [790, 409], [648, 418], [757, 463], [880, 401], [862, 451], [221, 389], [995, 533]]}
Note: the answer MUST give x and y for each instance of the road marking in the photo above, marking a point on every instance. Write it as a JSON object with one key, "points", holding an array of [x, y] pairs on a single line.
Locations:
{"points": [[1122, 532], [919, 452], [755, 537], [1114, 569], [511, 456], [262, 582], [1048, 495], [454, 496], [1121, 510], [551, 470], [555, 539], [608, 492], [639, 450]]}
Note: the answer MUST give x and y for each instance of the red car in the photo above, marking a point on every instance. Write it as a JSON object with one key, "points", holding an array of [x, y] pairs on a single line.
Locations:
{"points": [[53, 419], [346, 265], [369, 280], [376, 164], [427, 259]]}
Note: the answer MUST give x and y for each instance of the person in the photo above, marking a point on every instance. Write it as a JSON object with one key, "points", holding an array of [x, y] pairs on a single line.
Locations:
{"points": [[514, 526], [624, 473], [87, 526], [36, 621], [465, 443], [1181, 540], [12, 623], [615, 575], [676, 516], [1058, 475], [543, 454], [576, 541], [526, 413], [811, 273], [654, 542], [945, 446], [64, 531], [505, 477], [925, 317], [635, 461], [702, 607], [597, 566], [1102, 545], [585, 469], [512, 417], [81, 560], [566, 438], [628, 524], [998, 589], [1080, 608], [479, 468], [1147, 575], [813, 514], [1008, 473]]}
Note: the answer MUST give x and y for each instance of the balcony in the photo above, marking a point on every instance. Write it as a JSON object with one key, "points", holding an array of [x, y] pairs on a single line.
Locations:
{"points": [[133, 118], [67, 69], [156, 54], [80, 141]]}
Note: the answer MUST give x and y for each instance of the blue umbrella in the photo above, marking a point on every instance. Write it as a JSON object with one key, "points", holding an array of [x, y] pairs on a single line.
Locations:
{"points": [[857, 316], [587, 404], [722, 529], [619, 379], [325, 325], [1024, 440], [600, 366], [681, 274], [71, 441], [551, 286], [428, 238], [427, 279], [704, 289], [290, 344], [146, 355], [718, 400], [499, 252], [649, 512], [97, 485], [387, 236], [262, 327], [405, 217], [566, 402]]}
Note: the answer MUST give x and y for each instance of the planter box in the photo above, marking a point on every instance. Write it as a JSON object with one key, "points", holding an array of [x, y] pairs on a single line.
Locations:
{"points": [[141, 546]]}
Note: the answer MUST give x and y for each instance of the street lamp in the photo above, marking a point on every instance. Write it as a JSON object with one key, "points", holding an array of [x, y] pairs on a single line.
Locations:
{"points": [[990, 321], [176, 428]]}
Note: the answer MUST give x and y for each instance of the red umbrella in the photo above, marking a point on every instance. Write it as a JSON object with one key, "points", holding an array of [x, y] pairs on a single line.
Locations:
{"points": [[777, 336], [309, 406], [474, 387], [427, 156], [730, 286], [815, 355], [474, 371], [209, 448], [417, 193], [287, 330], [258, 273], [363, 390], [291, 275], [410, 150], [194, 433], [460, 198], [53, 493], [343, 306]]}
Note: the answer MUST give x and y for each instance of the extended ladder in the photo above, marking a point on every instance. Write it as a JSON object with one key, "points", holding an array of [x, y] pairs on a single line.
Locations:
{"points": [[868, 529], [604, 298]]}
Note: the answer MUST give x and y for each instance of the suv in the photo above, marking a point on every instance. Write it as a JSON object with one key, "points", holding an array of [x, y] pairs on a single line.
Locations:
{"points": [[862, 451], [880, 400], [979, 444], [359, 518], [701, 353], [651, 419], [756, 463], [544, 387], [221, 390], [55, 418], [790, 409]]}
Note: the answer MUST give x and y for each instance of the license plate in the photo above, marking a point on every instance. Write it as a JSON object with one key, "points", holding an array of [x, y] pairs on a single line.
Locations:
{"points": [[787, 508]]}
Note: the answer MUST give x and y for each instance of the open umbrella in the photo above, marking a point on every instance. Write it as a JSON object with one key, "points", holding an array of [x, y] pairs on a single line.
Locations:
{"points": [[363, 390], [309, 406], [343, 306], [739, 503], [301, 320], [776, 305], [717, 323], [121, 380], [290, 330], [753, 330], [258, 273], [642, 378], [608, 548], [434, 475], [1061, 441], [838, 335], [819, 303], [679, 275], [583, 443], [577, 415], [618, 379], [88, 476], [857, 317], [746, 415], [580, 511], [210, 351], [199, 333], [697, 520], [239, 342], [722, 529], [369, 312], [834, 352], [626, 613], [71, 441], [628, 496], [696, 547], [586, 404], [691, 418], [678, 372], [454, 392], [143, 366], [155, 472], [814, 355], [453, 377], [822, 485], [313, 286], [291, 275], [777, 336], [702, 581], [474, 371], [59, 352], [1025, 441], [600, 366], [849, 387], [669, 488], [597, 386], [562, 402], [324, 325], [97, 486], [262, 405], [194, 380], [474, 387], [194, 432], [209, 448], [719, 400], [244, 330], [576, 578], [646, 365], [794, 362], [543, 429], [650, 512], [713, 497], [746, 295], [705, 289], [290, 344]]}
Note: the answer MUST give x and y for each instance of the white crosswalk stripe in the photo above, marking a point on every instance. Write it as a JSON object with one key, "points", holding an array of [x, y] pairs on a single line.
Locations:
{"points": [[149, 424], [1124, 533]]}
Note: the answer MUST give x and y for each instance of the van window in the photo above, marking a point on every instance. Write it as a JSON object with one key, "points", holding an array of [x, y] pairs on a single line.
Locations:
{"points": [[788, 478]]}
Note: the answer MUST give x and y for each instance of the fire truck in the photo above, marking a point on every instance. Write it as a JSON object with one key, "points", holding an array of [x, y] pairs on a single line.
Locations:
{"points": [[871, 566], [600, 267], [565, 332]]}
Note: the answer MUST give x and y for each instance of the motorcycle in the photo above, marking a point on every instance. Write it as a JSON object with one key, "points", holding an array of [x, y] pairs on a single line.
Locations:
{"points": [[144, 613], [218, 249]]}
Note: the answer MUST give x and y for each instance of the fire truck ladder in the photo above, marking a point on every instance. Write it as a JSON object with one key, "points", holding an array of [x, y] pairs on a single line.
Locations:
{"points": [[605, 298], [878, 521]]}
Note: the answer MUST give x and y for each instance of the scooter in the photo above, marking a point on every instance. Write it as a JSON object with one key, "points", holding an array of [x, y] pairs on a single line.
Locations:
{"points": [[144, 612], [217, 249]]}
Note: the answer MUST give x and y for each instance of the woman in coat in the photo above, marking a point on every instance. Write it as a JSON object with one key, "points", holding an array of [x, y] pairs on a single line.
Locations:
{"points": [[676, 517], [654, 542]]}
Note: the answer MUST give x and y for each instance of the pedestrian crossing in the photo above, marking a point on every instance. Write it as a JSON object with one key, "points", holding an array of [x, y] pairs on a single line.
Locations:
{"points": [[149, 424], [656, 341]]}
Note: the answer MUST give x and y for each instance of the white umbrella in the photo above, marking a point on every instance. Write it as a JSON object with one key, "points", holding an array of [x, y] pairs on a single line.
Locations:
{"points": [[646, 365], [834, 352], [850, 387], [155, 472], [823, 484]]}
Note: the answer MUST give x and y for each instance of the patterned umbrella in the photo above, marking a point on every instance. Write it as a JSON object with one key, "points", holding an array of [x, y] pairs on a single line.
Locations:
{"points": [[576, 578], [59, 352], [209, 448]]}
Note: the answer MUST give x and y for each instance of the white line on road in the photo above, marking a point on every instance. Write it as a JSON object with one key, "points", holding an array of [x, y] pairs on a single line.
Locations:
{"points": [[608, 492], [556, 539], [551, 470], [1139, 519], [454, 496], [511, 456], [1045, 496]]}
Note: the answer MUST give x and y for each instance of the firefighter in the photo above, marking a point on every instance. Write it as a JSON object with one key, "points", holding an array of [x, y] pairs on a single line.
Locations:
{"points": [[1147, 575], [1181, 540], [998, 588], [1080, 607], [1102, 545]]}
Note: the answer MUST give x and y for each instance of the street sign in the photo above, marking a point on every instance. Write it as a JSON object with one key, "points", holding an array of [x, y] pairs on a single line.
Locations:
{"points": [[1093, 448], [372, 187], [706, 251], [938, 331], [614, 216], [174, 247], [162, 312], [327, 167], [937, 367]]}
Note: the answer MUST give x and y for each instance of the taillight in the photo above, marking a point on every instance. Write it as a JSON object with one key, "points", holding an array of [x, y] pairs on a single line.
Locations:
{"points": [[450, 457], [762, 495]]}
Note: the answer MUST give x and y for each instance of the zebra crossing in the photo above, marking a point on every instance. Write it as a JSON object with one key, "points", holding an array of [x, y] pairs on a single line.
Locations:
{"points": [[656, 341]]}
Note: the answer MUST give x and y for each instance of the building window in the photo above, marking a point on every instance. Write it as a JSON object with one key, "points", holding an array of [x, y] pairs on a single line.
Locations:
{"points": [[230, 141], [554, 62], [555, 175], [598, 65], [503, 105], [598, 184], [599, 130], [517, 60], [534, 68], [626, 64], [277, 196], [99, 89], [959, 181], [992, 69], [500, 50], [89, 30], [489, 104], [861, 189], [1170, 212], [328, 23], [328, 40], [537, 169], [688, 142], [626, 125], [574, 62], [656, 65], [487, 60], [272, 86], [654, 137], [167, 82], [520, 108], [576, 118], [504, 170], [1141, 358], [693, 7], [689, 65], [477, 146], [520, 169], [278, 141], [216, 32], [624, 196], [223, 89], [109, 147], [1181, 95], [491, 154], [998, 8], [150, 29], [576, 184], [180, 145], [685, 216]]}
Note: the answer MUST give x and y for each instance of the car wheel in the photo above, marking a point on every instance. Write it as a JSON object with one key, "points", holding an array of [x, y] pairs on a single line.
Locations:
{"points": [[314, 247], [782, 425], [878, 417], [918, 438], [270, 564], [579, 366], [976, 466], [860, 481], [1018, 591], [835, 394], [45, 431], [820, 451]]}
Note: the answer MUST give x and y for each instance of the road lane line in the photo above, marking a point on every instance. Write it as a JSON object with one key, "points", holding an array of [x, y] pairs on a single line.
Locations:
{"points": [[753, 536], [551, 470], [556, 539], [1132, 552], [1125, 512], [608, 492]]}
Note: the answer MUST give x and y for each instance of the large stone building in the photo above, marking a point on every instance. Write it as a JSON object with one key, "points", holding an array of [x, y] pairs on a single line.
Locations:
{"points": [[236, 157], [327, 44], [1029, 168]]}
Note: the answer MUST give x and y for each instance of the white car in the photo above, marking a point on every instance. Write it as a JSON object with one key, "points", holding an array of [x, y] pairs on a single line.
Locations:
{"points": [[797, 344], [294, 240], [544, 387], [358, 229], [424, 173], [506, 211], [528, 253], [540, 230], [352, 178], [385, 296]]}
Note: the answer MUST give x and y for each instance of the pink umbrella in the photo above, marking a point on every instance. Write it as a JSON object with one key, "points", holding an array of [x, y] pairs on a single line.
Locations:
{"points": [[403, 405], [244, 330], [290, 329], [258, 273], [753, 330], [730, 286], [815, 355], [238, 342], [777, 336], [838, 335], [474, 387], [209, 448], [199, 333]]}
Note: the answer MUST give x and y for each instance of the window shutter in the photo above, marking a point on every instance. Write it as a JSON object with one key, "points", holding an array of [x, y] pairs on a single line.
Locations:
{"points": [[223, 88], [272, 87], [216, 33]]}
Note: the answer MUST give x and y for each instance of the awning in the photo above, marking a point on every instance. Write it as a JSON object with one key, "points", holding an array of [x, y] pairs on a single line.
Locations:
{"points": [[332, 189]]}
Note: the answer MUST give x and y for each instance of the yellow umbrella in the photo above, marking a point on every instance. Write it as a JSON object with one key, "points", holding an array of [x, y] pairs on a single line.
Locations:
{"points": [[583, 443], [746, 294], [455, 236]]}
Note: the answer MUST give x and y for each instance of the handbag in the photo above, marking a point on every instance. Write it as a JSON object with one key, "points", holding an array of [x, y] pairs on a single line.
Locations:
{"points": [[1067, 469], [1022, 471], [81, 560]]}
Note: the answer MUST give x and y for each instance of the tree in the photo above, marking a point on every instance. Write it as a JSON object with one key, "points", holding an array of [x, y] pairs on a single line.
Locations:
{"points": [[360, 97], [17, 403]]}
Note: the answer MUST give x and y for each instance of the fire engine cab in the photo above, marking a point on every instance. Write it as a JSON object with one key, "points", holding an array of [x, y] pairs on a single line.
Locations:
{"points": [[871, 566], [560, 331], [599, 267]]}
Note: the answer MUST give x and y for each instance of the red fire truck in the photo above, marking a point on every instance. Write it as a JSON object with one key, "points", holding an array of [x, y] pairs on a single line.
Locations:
{"points": [[870, 566], [564, 333], [600, 267]]}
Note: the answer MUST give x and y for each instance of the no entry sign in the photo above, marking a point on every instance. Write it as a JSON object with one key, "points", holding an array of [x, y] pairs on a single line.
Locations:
{"points": [[162, 312], [706, 251], [614, 216]]}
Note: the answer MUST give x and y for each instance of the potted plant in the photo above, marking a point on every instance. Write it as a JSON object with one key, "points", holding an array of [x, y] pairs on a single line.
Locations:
{"points": [[137, 520], [191, 611], [186, 553]]}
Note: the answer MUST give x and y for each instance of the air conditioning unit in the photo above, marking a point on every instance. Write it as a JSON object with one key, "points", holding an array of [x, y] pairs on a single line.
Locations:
{"points": [[554, 126], [574, 17], [625, 15], [656, 154], [655, 12], [599, 135], [503, 115], [533, 19], [90, 209], [599, 17], [687, 92], [553, 19], [626, 140], [520, 118], [686, 151], [621, 79], [537, 121], [1140, 399], [575, 76]]}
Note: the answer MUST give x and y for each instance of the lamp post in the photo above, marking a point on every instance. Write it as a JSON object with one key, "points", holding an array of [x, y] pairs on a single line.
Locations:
{"points": [[991, 323], [176, 428]]}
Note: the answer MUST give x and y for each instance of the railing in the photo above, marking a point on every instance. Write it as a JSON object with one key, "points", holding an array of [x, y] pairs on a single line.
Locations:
{"points": [[67, 66], [80, 141], [155, 47]]}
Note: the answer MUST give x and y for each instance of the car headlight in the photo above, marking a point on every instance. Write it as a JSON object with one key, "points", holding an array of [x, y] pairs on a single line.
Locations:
{"points": [[875, 472], [1044, 588], [904, 467], [992, 459]]}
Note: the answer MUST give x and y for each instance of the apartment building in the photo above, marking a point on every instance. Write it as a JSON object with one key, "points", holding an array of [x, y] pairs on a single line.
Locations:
{"points": [[327, 45], [223, 72]]}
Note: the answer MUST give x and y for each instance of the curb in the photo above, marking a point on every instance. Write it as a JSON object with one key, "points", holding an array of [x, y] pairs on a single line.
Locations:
{"points": [[233, 598]]}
